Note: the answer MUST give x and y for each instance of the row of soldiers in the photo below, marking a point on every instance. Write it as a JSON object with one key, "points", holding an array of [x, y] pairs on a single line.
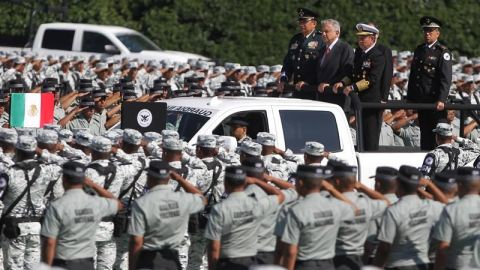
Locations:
{"points": [[196, 77], [317, 217]]}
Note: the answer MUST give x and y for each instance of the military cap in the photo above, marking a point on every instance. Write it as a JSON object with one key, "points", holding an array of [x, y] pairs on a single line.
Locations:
{"points": [[15, 84], [260, 91], [47, 136], [26, 143], [342, 169], [113, 136], [305, 13], [65, 135], [263, 69], [19, 60], [99, 93], [409, 174], [445, 178], [468, 78], [132, 65], [250, 70], [443, 129], [159, 169], [26, 132], [253, 165], [385, 173], [229, 143], [275, 68], [8, 135], [265, 138], [101, 66], [430, 22], [172, 144], [94, 58], [53, 81], [233, 66], [85, 86], [87, 102], [314, 149], [78, 59], [313, 172], [219, 70], [54, 127], [83, 137], [46, 88], [132, 136], [129, 95], [64, 59], [170, 134], [74, 172], [235, 174], [202, 65], [206, 141], [3, 97], [101, 144], [152, 136], [366, 30], [39, 58], [468, 174], [237, 121], [251, 148]]}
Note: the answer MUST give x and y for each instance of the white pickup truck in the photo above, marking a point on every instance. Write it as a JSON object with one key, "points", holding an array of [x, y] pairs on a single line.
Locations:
{"points": [[293, 121], [87, 39]]}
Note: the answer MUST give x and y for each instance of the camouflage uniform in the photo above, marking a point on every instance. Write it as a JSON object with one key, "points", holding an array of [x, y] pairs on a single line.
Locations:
{"points": [[106, 246], [23, 252], [446, 156]]}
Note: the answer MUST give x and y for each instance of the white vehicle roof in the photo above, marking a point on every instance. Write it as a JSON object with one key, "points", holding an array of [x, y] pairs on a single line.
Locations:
{"points": [[223, 103], [89, 27]]}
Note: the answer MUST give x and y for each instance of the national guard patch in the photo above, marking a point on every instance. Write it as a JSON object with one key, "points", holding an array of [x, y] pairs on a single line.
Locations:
{"points": [[446, 56], [428, 161]]}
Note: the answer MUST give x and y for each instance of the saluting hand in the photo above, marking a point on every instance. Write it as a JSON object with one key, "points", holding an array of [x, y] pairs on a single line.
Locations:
{"points": [[440, 106], [321, 87], [336, 86]]}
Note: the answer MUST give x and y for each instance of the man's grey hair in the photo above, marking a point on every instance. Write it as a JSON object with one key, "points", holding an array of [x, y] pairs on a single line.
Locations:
{"points": [[334, 23]]}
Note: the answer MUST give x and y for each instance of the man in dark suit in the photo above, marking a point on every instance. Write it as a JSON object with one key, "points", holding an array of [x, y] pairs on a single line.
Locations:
{"points": [[334, 63], [430, 79], [367, 80], [303, 54]]}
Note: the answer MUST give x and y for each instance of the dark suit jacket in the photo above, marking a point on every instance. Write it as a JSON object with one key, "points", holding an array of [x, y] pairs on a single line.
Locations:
{"points": [[337, 64]]}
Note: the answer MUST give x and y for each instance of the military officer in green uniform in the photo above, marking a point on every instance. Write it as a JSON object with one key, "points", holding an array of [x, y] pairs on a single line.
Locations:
{"points": [[233, 224], [458, 228], [71, 221], [299, 65], [312, 223], [159, 219]]}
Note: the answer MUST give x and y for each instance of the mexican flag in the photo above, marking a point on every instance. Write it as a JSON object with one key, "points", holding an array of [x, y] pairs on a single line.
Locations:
{"points": [[31, 109]]}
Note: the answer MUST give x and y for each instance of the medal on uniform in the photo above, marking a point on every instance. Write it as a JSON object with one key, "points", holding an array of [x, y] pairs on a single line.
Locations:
{"points": [[366, 64], [294, 46], [307, 56], [312, 44]]}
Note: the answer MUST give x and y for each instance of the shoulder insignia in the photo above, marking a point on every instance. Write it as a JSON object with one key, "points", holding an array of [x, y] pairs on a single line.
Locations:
{"points": [[441, 47], [446, 56]]}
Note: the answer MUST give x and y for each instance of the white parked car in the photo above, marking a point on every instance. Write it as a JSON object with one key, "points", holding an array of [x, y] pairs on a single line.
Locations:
{"points": [[86, 39]]}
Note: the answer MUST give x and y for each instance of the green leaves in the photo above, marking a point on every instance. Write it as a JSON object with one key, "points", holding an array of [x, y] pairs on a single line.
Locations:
{"points": [[254, 32]]}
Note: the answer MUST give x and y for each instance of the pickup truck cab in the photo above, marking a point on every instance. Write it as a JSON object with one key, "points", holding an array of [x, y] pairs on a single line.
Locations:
{"points": [[293, 121], [87, 39]]}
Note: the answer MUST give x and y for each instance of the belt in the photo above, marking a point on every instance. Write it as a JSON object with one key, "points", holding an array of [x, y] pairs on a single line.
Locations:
{"points": [[107, 219], [62, 261], [24, 219], [315, 262]]}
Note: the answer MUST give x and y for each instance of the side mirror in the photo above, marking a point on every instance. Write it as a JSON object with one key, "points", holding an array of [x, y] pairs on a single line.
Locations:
{"points": [[111, 49]]}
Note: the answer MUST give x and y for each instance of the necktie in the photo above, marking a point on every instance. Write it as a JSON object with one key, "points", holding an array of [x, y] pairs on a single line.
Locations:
{"points": [[327, 51]]}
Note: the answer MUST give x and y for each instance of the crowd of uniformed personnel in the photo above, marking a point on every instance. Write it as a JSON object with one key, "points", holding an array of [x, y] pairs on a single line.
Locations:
{"points": [[232, 202], [125, 200]]}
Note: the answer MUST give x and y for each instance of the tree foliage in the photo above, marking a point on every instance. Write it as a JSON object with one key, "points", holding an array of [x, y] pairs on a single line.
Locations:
{"points": [[251, 31]]}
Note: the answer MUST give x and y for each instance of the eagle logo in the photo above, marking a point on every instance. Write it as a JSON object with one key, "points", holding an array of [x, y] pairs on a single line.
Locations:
{"points": [[33, 110], [144, 118]]}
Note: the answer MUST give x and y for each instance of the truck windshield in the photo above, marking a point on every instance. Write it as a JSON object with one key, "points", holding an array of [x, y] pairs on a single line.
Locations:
{"points": [[137, 43], [186, 124]]}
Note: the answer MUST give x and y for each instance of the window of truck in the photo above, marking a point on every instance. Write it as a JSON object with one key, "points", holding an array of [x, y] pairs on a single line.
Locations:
{"points": [[300, 126], [56, 39], [137, 43], [94, 42]]}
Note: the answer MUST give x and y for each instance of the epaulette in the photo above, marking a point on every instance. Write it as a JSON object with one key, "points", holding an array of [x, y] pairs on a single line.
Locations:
{"points": [[441, 46]]}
